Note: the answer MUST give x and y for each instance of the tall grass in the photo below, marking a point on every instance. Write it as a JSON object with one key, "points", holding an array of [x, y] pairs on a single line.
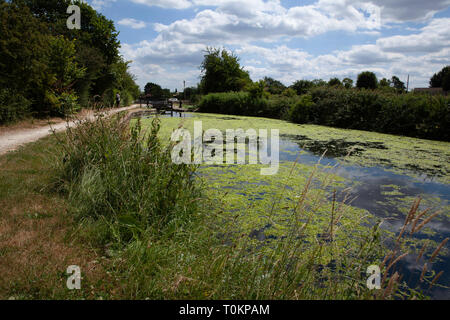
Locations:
{"points": [[124, 178]]}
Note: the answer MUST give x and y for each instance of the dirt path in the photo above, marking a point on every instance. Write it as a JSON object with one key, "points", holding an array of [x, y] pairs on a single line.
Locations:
{"points": [[12, 139]]}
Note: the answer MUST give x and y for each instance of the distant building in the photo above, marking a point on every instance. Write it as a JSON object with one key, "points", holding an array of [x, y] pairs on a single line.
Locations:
{"points": [[432, 91]]}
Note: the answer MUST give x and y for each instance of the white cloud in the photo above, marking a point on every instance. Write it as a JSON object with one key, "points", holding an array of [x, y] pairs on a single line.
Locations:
{"points": [[237, 22], [433, 37], [239, 25], [288, 65], [170, 4], [132, 23], [99, 4], [409, 10]]}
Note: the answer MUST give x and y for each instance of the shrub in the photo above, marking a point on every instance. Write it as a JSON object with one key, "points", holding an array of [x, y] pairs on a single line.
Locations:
{"points": [[126, 98], [109, 98], [289, 92], [278, 106], [303, 110], [412, 115], [237, 103], [68, 104], [13, 106]]}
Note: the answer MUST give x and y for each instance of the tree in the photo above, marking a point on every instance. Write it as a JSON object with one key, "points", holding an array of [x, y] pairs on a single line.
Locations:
{"points": [[62, 63], [50, 66], [221, 72], [302, 86], [289, 92], [124, 82], [274, 86], [348, 83], [190, 92], [319, 83], [367, 80], [335, 82], [154, 90], [441, 78], [97, 43], [384, 83], [397, 84], [23, 64], [446, 82]]}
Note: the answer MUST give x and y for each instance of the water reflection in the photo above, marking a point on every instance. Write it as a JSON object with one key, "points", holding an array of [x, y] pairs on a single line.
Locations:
{"points": [[374, 192]]}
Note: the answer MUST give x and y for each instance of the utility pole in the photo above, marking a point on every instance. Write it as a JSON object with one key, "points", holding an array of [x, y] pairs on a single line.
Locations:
{"points": [[184, 89], [407, 84]]}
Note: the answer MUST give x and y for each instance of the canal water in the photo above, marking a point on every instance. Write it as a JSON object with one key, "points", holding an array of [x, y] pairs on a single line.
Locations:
{"points": [[383, 190]]}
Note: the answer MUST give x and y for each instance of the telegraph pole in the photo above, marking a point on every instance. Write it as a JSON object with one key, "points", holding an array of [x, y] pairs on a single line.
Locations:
{"points": [[184, 89], [407, 84]]}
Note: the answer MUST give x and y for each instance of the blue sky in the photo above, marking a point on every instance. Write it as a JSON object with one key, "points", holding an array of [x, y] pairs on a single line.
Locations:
{"points": [[284, 39]]}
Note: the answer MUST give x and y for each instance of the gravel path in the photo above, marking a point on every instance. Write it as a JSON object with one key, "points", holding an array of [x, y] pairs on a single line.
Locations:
{"points": [[11, 140]]}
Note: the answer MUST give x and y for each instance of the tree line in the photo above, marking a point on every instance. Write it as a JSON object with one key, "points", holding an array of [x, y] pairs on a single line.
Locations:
{"points": [[382, 106], [222, 72], [47, 69]]}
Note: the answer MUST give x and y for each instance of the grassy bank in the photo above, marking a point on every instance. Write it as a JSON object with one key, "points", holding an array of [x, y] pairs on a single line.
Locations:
{"points": [[107, 197]]}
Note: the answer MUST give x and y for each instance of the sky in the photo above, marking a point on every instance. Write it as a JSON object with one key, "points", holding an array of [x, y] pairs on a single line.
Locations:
{"points": [[287, 40]]}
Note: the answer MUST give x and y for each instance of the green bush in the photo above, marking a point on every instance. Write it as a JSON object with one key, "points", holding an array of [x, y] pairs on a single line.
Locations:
{"points": [[109, 98], [278, 106], [302, 111], [407, 114], [421, 116], [126, 98], [237, 103], [68, 104], [13, 106]]}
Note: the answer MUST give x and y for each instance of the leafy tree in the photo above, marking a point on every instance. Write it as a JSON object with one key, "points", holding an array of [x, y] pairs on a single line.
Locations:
{"points": [[397, 84], [190, 92], [96, 31], [289, 92], [446, 82], [221, 72], [154, 90], [256, 89], [348, 83], [47, 66], [367, 80], [23, 64], [335, 82], [441, 78], [319, 83], [385, 83], [274, 86], [65, 71], [62, 63], [97, 44], [302, 86], [94, 63], [166, 94]]}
